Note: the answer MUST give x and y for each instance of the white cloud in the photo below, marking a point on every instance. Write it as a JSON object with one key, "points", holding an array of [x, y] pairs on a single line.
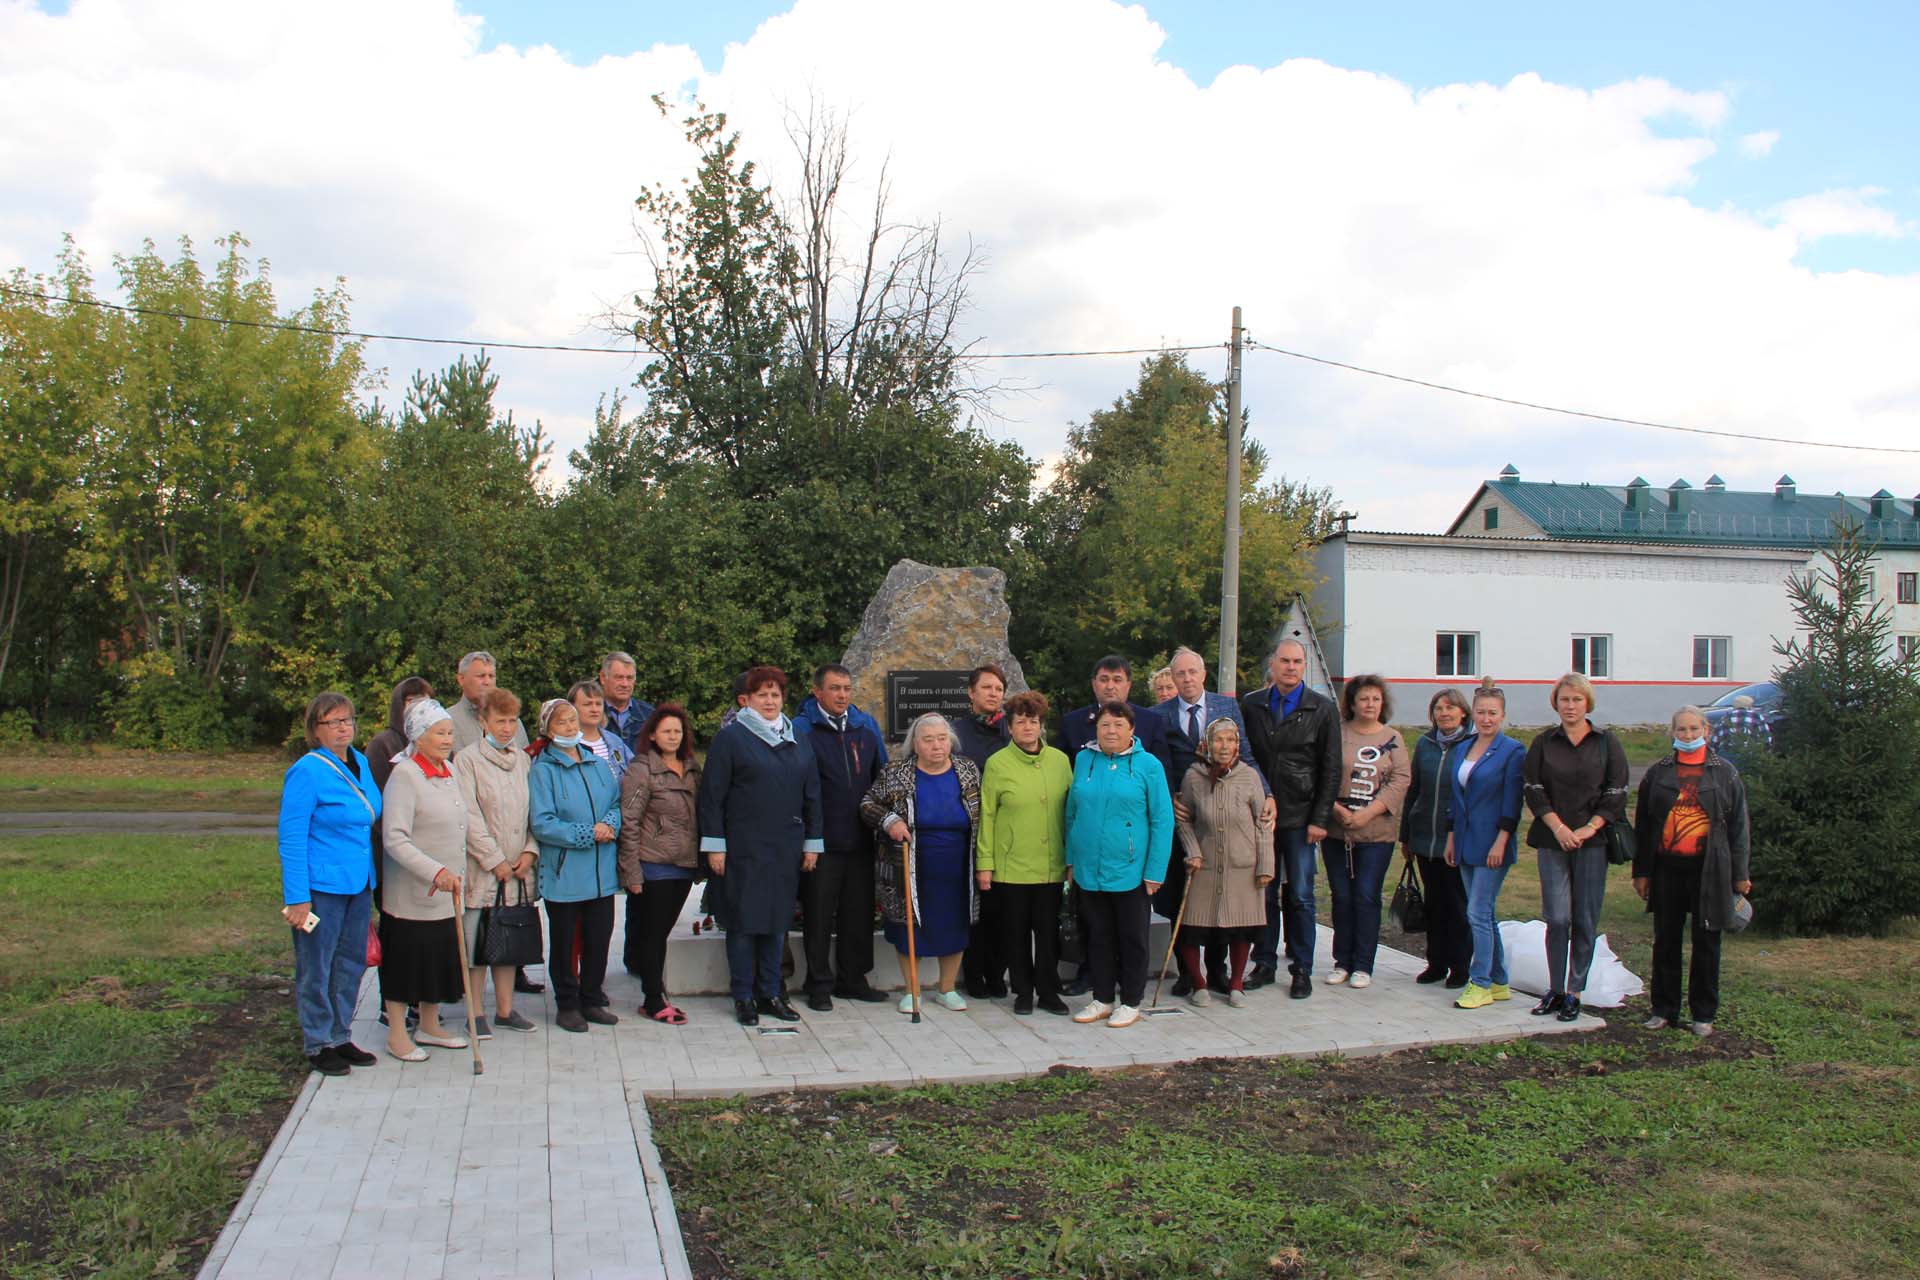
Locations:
{"points": [[1759, 144], [1528, 238]]}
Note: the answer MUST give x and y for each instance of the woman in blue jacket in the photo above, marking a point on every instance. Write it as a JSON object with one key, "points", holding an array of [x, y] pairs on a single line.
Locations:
{"points": [[1119, 836], [1485, 786], [328, 808], [574, 810]]}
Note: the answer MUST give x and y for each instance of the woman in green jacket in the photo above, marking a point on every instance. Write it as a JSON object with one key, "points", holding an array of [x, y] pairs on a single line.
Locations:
{"points": [[1022, 858]]}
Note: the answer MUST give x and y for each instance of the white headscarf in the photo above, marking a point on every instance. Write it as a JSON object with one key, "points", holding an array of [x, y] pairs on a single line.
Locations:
{"points": [[421, 716]]}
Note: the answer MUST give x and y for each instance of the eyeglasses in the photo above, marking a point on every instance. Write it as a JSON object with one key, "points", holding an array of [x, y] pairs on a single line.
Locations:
{"points": [[337, 720]]}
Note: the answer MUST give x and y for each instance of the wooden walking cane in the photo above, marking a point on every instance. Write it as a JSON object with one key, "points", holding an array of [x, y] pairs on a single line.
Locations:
{"points": [[1172, 938], [466, 979], [913, 956]]}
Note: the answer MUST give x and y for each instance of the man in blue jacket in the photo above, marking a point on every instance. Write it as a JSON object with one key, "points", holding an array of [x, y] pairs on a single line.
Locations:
{"points": [[626, 714], [838, 892]]}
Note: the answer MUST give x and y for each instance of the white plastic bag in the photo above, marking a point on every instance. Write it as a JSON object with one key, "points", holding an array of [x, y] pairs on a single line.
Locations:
{"points": [[1610, 984]]}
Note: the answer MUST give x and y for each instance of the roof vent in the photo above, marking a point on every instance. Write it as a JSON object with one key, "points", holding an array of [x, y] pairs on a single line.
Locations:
{"points": [[1880, 506], [1783, 489], [1680, 497], [1637, 493], [1509, 474], [1715, 484]]}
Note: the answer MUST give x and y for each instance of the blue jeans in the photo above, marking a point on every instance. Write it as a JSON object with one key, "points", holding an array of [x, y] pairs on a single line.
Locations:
{"points": [[327, 967], [1294, 903], [753, 964], [1489, 964], [1355, 875]]}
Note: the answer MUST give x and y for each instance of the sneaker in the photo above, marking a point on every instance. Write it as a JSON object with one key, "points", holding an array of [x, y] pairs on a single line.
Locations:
{"points": [[481, 1030], [328, 1062], [1095, 1011], [1360, 981], [1124, 1015], [1200, 997], [953, 1000], [1474, 996], [1657, 1023], [906, 1003], [1703, 1029], [1501, 991], [1237, 998], [513, 1021], [1337, 977]]}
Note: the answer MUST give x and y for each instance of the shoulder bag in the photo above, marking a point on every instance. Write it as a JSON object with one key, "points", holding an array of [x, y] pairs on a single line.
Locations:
{"points": [[1409, 909], [508, 934]]}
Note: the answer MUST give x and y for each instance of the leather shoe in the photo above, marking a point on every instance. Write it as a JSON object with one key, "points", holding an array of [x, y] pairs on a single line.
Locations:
{"points": [[1569, 1008], [1302, 987], [777, 1007], [1549, 1003], [1455, 981], [1182, 987], [1429, 975], [819, 1003], [328, 1062], [1053, 1004], [866, 991], [745, 1013], [1076, 986], [525, 985], [1023, 1004], [996, 989], [1261, 975], [1217, 982], [570, 1020], [354, 1056], [600, 1017]]}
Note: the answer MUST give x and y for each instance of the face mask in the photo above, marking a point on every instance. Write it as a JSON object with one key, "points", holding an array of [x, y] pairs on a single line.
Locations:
{"points": [[1683, 744], [569, 740], [502, 745]]}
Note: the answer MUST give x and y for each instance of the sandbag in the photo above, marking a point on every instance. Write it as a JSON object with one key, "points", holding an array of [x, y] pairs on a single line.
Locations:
{"points": [[1610, 983]]}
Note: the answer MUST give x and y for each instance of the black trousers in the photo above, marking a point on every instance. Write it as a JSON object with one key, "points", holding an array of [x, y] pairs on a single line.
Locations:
{"points": [[1676, 898], [838, 896], [651, 915], [982, 962], [587, 926], [1449, 941], [1117, 941], [1028, 916]]}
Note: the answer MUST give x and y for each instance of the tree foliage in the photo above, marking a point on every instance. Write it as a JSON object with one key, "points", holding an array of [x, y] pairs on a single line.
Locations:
{"points": [[1836, 806]]}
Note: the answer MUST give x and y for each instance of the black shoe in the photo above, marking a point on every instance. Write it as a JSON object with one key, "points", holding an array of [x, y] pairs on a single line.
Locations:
{"points": [[977, 988], [570, 1020], [866, 991], [599, 1016], [1181, 987], [1302, 987], [1218, 984], [1023, 1004], [777, 1007], [1053, 1004], [1076, 987], [1569, 1008], [329, 1063], [745, 1013], [1261, 975], [525, 985], [354, 1056], [996, 989], [1549, 1003], [820, 1002], [1455, 981], [1429, 975]]}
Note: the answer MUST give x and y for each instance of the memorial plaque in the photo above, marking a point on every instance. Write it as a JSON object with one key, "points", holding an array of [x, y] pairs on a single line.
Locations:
{"points": [[911, 694]]}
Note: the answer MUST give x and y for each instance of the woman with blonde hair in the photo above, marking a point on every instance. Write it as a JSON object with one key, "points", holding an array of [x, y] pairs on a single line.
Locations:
{"points": [[1483, 814]]}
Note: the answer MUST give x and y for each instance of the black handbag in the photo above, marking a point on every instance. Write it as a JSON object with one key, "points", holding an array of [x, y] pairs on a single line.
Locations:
{"points": [[1073, 942], [1409, 909], [1622, 844], [509, 934]]}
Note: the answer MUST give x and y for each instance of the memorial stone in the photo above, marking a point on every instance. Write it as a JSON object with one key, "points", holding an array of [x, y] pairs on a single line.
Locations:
{"points": [[924, 630]]}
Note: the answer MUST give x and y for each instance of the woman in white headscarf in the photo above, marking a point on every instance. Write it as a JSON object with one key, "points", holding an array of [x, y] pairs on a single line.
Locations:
{"points": [[424, 828]]}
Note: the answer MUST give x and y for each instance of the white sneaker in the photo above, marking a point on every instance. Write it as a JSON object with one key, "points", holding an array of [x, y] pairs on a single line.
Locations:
{"points": [[1200, 997], [1124, 1015], [1094, 1012], [1337, 977], [1360, 980], [1702, 1029]]}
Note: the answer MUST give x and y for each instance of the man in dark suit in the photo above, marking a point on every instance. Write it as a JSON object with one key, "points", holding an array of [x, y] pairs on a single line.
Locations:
{"points": [[1293, 734]]}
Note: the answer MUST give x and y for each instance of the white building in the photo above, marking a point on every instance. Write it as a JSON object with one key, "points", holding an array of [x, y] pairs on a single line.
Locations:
{"points": [[1660, 597]]}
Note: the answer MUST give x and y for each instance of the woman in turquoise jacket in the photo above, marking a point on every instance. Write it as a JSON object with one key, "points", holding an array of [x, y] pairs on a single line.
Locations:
{"points": [[1488, 776], [574, 810], [1119, 837]]}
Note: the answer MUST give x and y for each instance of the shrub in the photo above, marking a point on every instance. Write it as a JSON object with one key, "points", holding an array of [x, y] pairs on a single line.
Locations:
{"points": [[16, 727], [164, 712], [1836, 807]]}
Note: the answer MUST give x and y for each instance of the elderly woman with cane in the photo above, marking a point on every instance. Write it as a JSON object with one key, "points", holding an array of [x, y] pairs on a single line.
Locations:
{"points": [[929, 804], [424, 829], [328, 808], [1229, 860]]}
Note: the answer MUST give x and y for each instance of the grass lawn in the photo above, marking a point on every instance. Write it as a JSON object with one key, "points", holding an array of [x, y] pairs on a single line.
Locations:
{"points": [[147, 1047], [1788, 1145], [77, 778]]}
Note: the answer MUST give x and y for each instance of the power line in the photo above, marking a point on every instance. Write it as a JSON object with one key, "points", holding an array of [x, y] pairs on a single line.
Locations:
{"points": [[1575, 413], [638, 348]]}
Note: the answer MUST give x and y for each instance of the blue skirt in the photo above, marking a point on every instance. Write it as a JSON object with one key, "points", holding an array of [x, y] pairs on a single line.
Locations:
{"points": [[945, 903]]}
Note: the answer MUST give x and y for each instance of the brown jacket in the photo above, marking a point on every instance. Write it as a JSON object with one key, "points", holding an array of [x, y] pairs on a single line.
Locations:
{"points": [[493, 786], [1373, 766], [1224, 892], [658, 819]]}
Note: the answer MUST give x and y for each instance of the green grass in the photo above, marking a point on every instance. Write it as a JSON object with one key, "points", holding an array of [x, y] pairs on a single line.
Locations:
{"points": [[72, 778], [1643, 743], [1788, 1146], [147, 1051]]}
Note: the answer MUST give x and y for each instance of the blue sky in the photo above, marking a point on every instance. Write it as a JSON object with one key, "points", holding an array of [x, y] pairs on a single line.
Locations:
{"points": [[1836, 81]]}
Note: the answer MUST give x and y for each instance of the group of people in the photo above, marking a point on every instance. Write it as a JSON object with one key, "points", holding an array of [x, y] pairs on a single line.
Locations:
{"points": [[984, 845]]}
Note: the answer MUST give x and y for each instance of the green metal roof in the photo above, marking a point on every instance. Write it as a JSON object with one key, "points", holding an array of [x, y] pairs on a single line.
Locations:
{"points": [[1726, 517]]}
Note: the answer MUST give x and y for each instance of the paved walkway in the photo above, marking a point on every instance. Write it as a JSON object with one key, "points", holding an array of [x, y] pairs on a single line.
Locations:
{"points": [[544, 1166]]}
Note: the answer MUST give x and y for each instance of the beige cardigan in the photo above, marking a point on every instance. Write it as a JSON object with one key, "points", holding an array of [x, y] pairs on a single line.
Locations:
{"points": [[1225, 830], [493, 786], [423, 824]]}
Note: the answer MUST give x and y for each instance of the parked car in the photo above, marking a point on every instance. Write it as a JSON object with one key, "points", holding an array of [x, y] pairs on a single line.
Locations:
{"points": [[1767, 698]]}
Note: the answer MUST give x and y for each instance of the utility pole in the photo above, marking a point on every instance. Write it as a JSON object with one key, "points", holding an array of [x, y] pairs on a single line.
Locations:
{"points": [[1227, 678]]}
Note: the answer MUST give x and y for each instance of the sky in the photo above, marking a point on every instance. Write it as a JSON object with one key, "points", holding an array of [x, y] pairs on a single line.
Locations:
{"points": [[1704, 215]]}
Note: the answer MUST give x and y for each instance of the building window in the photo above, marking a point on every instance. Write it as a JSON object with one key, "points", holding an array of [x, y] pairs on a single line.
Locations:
{"points": [[1908, 585], [1710, 657], [1490, 518], [1906, 646], [1456, 653], [1593, 656]]}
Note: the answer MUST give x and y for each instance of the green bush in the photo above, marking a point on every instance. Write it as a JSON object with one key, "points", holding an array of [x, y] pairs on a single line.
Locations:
{"points": [[16, 727], [1836, 807], [166, 712]]}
